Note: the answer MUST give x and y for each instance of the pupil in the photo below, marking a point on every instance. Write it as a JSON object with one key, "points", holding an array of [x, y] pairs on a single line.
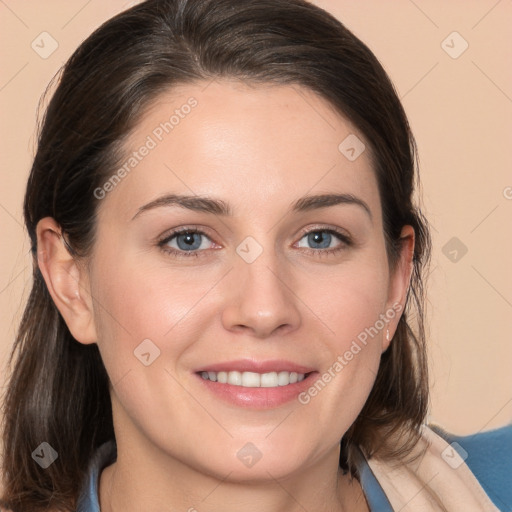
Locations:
{"points": [[186, 241], [320, 238]]}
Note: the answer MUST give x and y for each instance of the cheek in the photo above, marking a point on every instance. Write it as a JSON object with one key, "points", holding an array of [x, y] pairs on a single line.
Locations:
{"points": [[351, 306], [350, 302], [134, 303]]}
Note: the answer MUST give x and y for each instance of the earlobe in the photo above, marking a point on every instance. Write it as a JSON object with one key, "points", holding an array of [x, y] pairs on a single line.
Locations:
{"points": [[66, 281], [399, 282]]}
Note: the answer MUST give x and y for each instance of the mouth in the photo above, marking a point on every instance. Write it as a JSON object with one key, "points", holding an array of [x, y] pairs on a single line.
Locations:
{"points": [[257, 385], [254, 379]]}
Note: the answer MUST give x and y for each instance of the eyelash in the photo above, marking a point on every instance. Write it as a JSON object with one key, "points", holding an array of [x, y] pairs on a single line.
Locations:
{"points": [[342, 237]]}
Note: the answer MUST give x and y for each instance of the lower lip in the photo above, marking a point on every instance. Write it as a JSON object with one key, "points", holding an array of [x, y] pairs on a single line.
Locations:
{"points": [[258, 398]]}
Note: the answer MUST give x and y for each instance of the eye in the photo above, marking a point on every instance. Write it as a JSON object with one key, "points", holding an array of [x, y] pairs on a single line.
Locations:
{"points": [[184, 242], [321, 241]]}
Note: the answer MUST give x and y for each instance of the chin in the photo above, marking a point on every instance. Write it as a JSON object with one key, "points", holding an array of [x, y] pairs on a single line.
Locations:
{"points": [[253, 462]]}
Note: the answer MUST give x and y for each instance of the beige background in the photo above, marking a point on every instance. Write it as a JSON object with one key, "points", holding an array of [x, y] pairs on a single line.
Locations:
{"points": [[460, 110]]}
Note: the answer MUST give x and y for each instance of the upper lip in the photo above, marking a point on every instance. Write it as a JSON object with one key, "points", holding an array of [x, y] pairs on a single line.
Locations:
{"points": [[251, 365]]}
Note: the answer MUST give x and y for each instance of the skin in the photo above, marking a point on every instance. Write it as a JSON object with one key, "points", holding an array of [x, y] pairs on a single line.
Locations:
{"points": [[258, 148]]}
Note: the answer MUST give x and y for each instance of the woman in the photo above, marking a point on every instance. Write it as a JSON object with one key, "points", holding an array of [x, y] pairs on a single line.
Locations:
{"points": [[187, 345]]}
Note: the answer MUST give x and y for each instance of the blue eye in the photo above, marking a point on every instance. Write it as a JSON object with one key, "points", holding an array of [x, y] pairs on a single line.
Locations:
{"points": [[187, 242], [322, 239]]}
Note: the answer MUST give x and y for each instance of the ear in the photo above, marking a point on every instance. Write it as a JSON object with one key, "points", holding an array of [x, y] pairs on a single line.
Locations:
{"points": [[399, 282], [66, 281]]}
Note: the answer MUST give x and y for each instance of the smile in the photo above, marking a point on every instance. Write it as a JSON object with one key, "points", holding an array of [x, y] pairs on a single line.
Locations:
{"points": [[253, 379], [249, 383]]}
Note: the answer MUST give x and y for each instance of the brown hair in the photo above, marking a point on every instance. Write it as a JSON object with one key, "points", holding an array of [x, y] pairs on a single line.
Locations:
{"points": [[58, 389]]}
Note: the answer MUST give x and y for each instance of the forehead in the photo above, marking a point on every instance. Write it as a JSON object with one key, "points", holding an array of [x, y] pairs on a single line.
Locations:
{"points": [[257, 146]]}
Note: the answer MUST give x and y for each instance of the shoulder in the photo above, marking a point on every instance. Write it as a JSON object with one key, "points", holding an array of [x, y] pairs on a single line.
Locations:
{"points": [[88, 499], [489, 457]]}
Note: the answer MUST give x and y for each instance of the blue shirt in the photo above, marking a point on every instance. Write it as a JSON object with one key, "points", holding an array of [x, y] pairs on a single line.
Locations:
{"points": [[489, 459]]}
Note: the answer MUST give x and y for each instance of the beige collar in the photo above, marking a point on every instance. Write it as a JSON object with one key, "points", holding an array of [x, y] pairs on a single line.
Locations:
{"points": [[438, 481]]}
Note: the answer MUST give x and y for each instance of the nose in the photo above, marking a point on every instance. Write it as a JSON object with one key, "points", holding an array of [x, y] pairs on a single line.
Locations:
{"points": [[261, 300]]}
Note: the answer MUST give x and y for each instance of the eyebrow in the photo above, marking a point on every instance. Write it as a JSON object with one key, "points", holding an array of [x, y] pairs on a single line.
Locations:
{"points": [[220, 207]]}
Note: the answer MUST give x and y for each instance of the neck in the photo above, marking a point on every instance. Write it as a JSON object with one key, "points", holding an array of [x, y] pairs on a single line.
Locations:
{"points": [[143, 478], [147, 477]]}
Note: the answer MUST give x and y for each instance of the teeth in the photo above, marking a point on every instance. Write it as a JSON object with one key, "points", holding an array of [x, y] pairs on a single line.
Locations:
{"points": [[269, 380], [251, 380], [283, 378], [254, 380], [235, 378]]}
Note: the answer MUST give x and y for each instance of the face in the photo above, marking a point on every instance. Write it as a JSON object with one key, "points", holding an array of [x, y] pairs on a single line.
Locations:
{"points": [[253, 334]]}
